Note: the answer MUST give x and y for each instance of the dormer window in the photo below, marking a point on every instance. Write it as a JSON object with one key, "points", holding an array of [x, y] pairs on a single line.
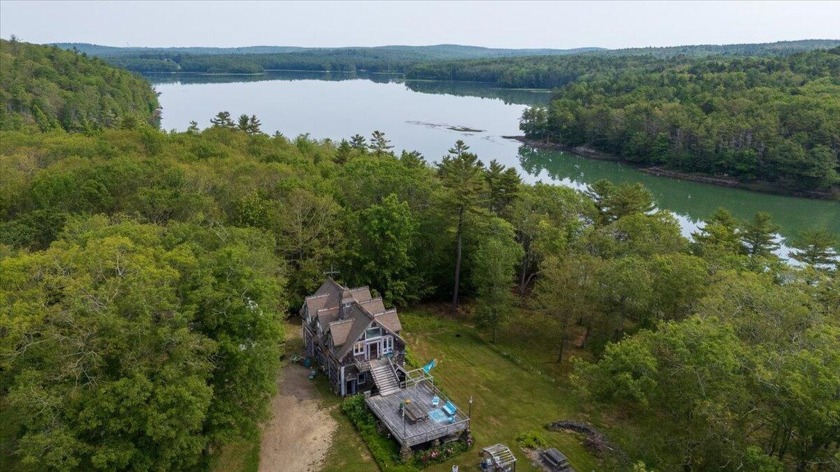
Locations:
{"points": [[373, 332]]}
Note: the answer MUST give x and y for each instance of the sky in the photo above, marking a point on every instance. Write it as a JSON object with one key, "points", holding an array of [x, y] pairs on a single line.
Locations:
{"points": [[560, 25]]}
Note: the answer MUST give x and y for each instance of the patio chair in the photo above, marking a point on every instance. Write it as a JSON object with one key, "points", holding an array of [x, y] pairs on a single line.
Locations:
{"points": [[449, 408], [435, 401]]}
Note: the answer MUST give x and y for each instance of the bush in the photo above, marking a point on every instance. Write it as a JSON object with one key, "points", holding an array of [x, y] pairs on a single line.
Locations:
{"points": [[530, 440], [385, 451], [439, 454]]}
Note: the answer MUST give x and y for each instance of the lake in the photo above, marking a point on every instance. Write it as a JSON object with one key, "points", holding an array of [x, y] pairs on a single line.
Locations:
{"points": [[429, 117]]}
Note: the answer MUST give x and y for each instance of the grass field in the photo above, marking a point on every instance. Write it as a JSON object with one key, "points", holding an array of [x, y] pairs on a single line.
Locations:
{"points": [[240, 456], [516, 386]]}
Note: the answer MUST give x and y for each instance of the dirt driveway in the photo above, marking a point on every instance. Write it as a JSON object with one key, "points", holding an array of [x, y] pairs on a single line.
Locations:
{"points": [[300, 433]]}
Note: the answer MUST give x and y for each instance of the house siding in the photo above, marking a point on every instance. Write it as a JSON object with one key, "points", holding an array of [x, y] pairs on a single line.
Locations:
{"points": [[318, 339]]}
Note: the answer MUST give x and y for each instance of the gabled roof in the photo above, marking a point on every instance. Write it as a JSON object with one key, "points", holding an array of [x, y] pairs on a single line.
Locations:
{"points": [[362, 320], [363, 310], [340, 331], [390, 320], [327, 316], [316, 302], [360, 294], [373, 306], [331, 291], [360, 323]]}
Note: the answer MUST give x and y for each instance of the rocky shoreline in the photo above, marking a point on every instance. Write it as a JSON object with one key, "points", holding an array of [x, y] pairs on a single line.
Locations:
{"points": [[721, 181]]}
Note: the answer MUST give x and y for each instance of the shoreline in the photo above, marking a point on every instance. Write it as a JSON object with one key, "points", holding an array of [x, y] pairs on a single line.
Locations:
{"points": [[659, 171]]}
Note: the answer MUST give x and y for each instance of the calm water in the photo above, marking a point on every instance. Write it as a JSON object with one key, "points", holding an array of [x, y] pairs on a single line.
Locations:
{"points": [[419, 116]]}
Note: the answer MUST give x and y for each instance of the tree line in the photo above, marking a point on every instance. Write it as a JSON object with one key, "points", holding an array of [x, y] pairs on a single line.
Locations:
{"points": [[423, 62], [255, 60], [145, 275], [769, 120]]}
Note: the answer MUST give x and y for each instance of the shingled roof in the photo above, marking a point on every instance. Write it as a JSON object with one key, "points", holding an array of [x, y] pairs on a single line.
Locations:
{"points": [[346, 325]]}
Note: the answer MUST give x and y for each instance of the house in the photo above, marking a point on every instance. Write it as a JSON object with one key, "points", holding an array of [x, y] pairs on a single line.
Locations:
{"points": [[358, 343], [350, 333]]}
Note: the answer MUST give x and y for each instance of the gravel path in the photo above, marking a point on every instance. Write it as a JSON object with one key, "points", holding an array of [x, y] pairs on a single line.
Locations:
{"points": [[300, 433]]}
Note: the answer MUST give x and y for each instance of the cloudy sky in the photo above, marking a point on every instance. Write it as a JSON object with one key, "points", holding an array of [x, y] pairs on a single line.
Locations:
{"points": [[610, 24]]}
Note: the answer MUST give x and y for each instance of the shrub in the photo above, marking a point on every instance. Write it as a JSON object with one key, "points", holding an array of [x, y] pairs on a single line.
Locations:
{"points": [[439, 454], [530, 440], [385, 451]]}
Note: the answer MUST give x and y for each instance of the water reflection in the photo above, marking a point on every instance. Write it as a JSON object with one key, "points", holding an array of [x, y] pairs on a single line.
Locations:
{"points": [[430, 116], [459, 89], [473, 89], [692, 200], [197, 78]]}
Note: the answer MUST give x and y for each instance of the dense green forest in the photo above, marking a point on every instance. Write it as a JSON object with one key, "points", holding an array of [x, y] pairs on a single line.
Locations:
{"points": [[446, 61], [145, 274], [756, 119], [258, 59], [557, 71], [54, 88]]}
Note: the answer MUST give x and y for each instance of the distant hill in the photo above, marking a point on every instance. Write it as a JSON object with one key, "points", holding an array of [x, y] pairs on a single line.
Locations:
{"points": [[45, 87], [109, 51], [258, 59], [779, 48], [439, 51], [392, 58]]}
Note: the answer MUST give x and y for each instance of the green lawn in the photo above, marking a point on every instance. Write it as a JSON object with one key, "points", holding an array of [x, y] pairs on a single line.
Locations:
{"points": [[516, 386], [239, 456], [348, 452]]}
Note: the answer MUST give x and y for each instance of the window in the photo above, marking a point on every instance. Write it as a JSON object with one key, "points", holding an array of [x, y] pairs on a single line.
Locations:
{"points": [[362, 378], [388, 345], [373, 333], [358, 349]]}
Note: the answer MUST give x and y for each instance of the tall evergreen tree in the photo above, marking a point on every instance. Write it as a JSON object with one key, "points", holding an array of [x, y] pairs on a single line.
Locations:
{"points": [[817, 248], [223, 120], [462, 174], [379, 145], [759, 235], [502, 186]]}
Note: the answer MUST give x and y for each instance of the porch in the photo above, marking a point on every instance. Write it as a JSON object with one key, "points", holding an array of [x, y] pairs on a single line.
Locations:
{"points": [[431, 423]]}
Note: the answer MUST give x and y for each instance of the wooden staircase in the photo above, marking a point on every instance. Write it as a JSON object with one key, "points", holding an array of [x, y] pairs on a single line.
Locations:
{"points": [[384, 377]]}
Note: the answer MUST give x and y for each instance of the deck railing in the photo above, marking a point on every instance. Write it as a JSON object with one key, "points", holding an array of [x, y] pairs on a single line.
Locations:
{"points": [[449, 429], [419, 438], [414, 377]]}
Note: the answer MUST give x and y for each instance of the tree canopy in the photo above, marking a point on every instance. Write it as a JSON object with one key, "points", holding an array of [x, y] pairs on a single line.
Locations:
{"points": [[50, 88]]}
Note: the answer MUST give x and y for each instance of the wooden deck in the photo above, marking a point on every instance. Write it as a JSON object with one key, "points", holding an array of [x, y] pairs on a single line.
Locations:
{"points": [[387, 409]]}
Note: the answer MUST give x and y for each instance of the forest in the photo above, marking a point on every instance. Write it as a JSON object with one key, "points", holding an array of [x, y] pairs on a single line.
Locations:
{"points": [[259, 59], [771, 120], [146, 274], [56, 89], [421, 62]]}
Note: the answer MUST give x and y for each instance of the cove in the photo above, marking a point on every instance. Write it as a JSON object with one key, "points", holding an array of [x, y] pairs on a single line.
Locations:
{"points": [[429, 116]]}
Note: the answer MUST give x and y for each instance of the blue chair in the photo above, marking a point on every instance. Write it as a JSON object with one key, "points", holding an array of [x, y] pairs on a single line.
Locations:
{"points": [[449, 408], [435, 400]]}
